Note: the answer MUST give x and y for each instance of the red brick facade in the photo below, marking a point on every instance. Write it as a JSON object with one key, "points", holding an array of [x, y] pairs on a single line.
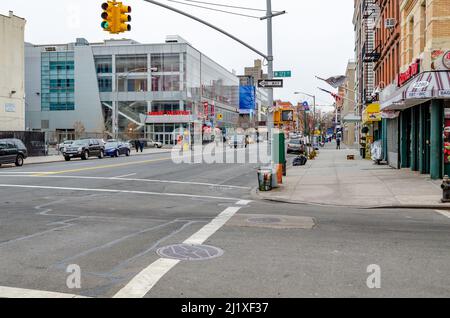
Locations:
{"points": [[387, 68]]}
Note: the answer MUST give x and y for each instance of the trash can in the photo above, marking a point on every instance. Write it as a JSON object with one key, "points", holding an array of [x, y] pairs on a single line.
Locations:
{"points": [[265, 179]]}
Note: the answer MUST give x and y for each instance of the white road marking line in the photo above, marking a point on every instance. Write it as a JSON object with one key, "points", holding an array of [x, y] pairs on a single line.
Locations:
{"points": [[143, 282], [244, 202], [208, 230], [444, 213], [132, 180], [127, 175], [10, 292], [21, 172], [118, 191]]}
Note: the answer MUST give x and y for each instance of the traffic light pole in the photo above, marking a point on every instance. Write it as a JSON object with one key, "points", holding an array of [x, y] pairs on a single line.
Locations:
{"points": [[268, 57], [270, 119]]}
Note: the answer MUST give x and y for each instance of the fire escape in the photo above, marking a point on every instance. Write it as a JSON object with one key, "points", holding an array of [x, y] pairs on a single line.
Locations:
{"points": [[371, 51]]}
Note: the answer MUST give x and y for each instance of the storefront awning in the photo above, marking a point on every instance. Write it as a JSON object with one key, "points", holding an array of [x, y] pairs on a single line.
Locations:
{"points": [[371, 114], [351, 118], [425, 86], [429, 85]]}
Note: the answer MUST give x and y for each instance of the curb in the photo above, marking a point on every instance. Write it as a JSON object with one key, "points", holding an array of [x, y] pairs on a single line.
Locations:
{"points": [[257, 196]]}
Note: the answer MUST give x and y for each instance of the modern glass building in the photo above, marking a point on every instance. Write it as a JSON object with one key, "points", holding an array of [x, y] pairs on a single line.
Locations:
{"points": [[123, 88]]}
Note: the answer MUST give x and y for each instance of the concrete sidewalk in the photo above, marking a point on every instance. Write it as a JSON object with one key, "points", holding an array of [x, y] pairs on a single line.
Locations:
{"points": [[332, 180], [60, 158]]}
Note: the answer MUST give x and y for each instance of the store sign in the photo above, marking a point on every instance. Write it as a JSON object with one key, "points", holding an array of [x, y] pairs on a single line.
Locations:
{"points": [[421, 85], [10, 108], [444, 93], [413, 70], [171, 113], [426, 94], [446, 60]]}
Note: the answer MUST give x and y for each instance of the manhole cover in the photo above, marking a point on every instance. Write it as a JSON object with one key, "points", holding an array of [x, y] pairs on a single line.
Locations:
{"points": [[265, 220], [186, 252]]}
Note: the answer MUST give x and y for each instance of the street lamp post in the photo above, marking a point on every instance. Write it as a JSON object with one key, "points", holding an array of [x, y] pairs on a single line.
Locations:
{"points": [[314, 106]]}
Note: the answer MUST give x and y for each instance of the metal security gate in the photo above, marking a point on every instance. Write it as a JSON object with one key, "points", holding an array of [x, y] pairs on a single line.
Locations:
{"points": [[34, 141], [393, 142]]}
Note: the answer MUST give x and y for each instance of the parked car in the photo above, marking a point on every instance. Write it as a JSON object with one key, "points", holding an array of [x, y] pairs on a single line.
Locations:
{"points": [[116, 149], [295, 146], [84, 149], [154, 144], [12, 151], [64, 144]]}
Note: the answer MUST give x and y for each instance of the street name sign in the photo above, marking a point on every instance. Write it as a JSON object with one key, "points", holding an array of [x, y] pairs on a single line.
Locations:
{"points": [[276, 83], [282, 74]]}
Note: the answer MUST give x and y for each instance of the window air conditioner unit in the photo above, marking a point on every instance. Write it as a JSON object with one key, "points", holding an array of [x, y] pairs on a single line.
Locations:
{"points": [[390, 23]]}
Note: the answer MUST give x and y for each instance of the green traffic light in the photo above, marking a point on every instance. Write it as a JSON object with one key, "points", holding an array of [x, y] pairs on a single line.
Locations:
{"points": [[105, 25]]}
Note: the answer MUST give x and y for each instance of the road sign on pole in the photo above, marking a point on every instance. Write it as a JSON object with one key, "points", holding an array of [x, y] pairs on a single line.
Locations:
{"points": [[282, 74], [272, 83]]}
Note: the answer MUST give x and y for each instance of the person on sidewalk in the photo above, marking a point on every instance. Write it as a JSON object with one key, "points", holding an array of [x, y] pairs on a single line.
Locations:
{"points": [[141, 145], [338, 143], [136, 145]]}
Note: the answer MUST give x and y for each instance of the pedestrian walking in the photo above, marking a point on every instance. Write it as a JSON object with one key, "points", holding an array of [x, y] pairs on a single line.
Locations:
{"points": [[141, 145], [338, 143], [136, 145]]}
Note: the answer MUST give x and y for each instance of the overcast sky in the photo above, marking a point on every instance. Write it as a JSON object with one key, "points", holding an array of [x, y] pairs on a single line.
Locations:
{"points": [[314, 38]]}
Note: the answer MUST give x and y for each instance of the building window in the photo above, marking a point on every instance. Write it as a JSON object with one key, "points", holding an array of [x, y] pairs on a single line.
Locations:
{"points": [[103, 64], [166, 83], [105, 84], [423, 27], [131, 63], [57, 81], [133, 85], [411, 40], [166, 62], [165, 106]]}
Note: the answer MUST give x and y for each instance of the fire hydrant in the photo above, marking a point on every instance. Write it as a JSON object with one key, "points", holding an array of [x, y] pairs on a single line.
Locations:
{"points": [[445, 190]]}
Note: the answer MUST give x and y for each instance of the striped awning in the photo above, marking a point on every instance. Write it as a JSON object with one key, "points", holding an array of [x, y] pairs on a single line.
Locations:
{"points": [[429, 85], [424, 87]]}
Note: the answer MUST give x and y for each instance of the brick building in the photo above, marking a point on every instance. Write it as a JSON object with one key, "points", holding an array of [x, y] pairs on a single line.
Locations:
{"points": [[417, 103]]}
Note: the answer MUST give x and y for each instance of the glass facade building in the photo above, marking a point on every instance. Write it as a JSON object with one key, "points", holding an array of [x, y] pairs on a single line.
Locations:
{"points": [[120, 86], [58, 81]]}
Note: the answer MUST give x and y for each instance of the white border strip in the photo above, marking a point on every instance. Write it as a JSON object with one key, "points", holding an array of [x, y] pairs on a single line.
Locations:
{"points": [[123, 178], [117, 191], [10, 292], [142, 283], [444, 213]]}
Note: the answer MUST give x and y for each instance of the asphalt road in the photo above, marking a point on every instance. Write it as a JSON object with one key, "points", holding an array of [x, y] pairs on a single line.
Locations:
{"points": [[110, 217]]}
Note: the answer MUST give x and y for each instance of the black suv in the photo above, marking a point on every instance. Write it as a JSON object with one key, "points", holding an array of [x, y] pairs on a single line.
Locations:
{"points": [[84, 149], [12, 151]]}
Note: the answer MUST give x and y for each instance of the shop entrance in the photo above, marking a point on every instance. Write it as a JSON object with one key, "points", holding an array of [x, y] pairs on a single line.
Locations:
{"points": [[426, 139]]}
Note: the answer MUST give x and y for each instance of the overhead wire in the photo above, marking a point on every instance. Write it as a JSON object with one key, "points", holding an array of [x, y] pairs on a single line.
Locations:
{"points": [[217, 10], [227, 6]]}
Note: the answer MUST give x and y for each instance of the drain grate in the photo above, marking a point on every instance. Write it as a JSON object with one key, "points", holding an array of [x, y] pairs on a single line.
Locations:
{"points": [[263, 220], [186, 252]]}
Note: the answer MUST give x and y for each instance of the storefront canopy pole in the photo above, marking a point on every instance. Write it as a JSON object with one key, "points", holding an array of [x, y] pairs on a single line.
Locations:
{"points": [[209, 25]]}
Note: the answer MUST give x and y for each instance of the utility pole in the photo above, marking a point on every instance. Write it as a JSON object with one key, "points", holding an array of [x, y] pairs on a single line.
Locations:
{"points": [[270, 122]]}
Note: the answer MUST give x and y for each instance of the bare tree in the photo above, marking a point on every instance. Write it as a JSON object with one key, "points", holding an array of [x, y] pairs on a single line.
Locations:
{"points": [[79, 129], [131, 132]]}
